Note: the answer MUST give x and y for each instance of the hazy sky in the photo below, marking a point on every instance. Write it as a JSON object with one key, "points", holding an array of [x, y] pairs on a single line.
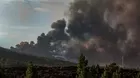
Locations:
{"points": [[24, 20]]}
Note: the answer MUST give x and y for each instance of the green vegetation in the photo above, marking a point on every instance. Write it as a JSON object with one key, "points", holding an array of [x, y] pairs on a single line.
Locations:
{"points": [[29, 71], [1, 72], [105, 74], [109, 71], [81, 71], [138, 75], [116, 75], [81, 67], [93, 72]]}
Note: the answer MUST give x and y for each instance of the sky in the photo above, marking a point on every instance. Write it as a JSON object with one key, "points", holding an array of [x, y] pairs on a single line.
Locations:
{"points": [[25, 20]]}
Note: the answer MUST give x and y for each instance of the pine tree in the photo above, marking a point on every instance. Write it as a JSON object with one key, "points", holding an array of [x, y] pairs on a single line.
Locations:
{"points": [[98, 71], [113, 67], [29, 71], [93, 72], [116, 75], [81, 67], [1, 72], [105, 74], [138, 75]]}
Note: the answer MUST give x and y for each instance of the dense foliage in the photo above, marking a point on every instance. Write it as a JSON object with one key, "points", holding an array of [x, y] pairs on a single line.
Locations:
{"points": [[109, 71], [67, 72]]}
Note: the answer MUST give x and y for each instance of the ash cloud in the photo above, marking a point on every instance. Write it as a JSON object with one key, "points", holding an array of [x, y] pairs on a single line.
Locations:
{"points": [[103, 30], [114, 22], [125, 14]]}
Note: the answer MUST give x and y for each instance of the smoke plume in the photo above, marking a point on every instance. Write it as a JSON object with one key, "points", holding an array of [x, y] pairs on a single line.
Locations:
{"points": [[103, 30], [123, 17], [113, 27]]}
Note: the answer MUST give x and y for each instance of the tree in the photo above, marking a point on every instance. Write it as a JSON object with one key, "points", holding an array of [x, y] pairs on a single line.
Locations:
{"points": [[116, 74], [32, 43], [105, 74], [42, 35], [1, 72], [98, 71], [93, 72], [138, 75], [81, 67], [2, 62], [29, 71], [12, 48], [113, 67]]}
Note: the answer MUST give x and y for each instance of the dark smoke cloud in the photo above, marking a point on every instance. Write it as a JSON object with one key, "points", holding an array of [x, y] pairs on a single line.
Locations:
{"points": [[114, 22], [48, 45], [86, 16], [103, 30], [123, 16]]}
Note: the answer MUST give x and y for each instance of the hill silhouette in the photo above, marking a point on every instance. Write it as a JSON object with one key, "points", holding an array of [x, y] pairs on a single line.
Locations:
{"points": [[10, 58]]}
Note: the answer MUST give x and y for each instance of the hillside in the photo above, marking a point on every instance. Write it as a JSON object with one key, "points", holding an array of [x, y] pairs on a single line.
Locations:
{"points": [[11, 57]]}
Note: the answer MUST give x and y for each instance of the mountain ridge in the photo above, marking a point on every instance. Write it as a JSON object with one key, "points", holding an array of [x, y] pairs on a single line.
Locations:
{"points": [[24, 58]]}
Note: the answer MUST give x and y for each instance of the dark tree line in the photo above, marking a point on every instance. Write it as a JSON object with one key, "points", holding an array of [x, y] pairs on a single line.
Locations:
{"points": [[108, 71], [81, 71]]}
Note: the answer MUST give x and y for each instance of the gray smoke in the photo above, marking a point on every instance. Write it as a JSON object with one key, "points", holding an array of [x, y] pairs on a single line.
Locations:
{"points": [[113, 27]]}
